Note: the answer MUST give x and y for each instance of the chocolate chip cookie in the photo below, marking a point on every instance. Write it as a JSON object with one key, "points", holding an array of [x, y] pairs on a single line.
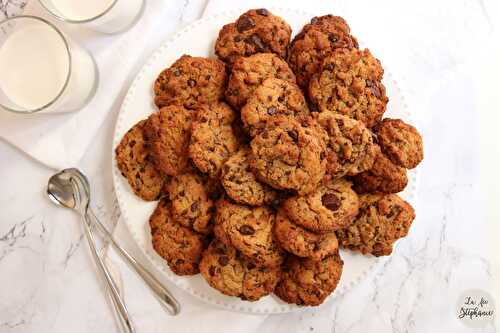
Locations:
{"points": [[301, 242], [134, 162], [256, 31], [240, 183], [249, 230], [191, 203], [167, 134], [309, 282], [382, 220], [191, 81], [212, 139], [274, 98], [350, 83], [317, 40], [225, 270], [288, 156], [349, 146], [179, 246], [249, 72], [400, 142], [332, 206], [384, 176]]}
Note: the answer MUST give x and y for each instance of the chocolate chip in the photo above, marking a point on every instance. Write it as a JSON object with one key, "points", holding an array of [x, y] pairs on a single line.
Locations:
{"points": [[272, 111], [314, 20], [331, 201], [194, 206], [262, 12], [257, 42], [177, 72], [281, 99], [322, 155], [340, 122], [251, 265], [223, 260], [375, 91], [369, 83], [246, 230], [211, 270], [294, 135], [332, 38], [207, 77], [182, 193], [191, 83], [245, 23], [329, 67], [237, 38]]}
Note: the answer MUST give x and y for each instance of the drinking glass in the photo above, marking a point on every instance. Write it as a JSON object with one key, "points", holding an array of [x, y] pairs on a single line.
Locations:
{"points": [[108, 16], [42, 70]]}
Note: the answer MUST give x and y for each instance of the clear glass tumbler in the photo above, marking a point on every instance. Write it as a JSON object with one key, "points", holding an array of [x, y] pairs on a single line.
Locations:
{"points": [[42, 70], [108, 16]]}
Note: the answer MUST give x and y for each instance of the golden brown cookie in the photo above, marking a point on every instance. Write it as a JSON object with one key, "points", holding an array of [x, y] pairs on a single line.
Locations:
{"points": [[287, 155], [191, 81], [400, 142], [213, 140], [249, 72], [301, 242], [134, 162], [272, 99], [190, 202], [350, 83], [309, 282], [168, 133], [384, 176], [255, 31], [332, 206], [349, 145], [382, 220], [249, 230], [317, 40], [240, 183], [225, 270], [179, 246]]}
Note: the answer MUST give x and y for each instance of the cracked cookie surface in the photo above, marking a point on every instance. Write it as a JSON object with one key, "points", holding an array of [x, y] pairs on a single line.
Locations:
{"points": [[225, 270], [255, 31]]}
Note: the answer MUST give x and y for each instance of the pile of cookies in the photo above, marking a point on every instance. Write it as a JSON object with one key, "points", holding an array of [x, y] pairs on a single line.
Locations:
{"points": [[269, 159]]}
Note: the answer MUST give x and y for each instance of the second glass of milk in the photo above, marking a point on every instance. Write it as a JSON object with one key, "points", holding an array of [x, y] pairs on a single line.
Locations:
{"points": [[108, 16], [42, 70]]}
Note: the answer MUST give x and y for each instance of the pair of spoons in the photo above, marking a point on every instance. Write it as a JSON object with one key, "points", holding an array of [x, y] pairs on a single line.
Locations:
{"points": [[70, 188]]}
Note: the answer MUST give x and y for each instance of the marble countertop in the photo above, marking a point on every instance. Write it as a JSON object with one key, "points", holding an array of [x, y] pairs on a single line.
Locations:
{"points": [[47, 282]]}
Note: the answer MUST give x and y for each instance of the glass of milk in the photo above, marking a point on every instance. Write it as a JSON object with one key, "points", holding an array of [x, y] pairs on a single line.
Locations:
{"points": [[42, 70], [108, 16]]}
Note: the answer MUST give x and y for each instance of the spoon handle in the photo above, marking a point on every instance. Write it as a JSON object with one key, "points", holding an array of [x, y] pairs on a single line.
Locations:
{"points": [[161, 293], [111, 286]]}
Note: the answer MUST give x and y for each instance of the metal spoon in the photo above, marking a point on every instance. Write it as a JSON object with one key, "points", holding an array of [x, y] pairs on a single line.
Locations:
{"points": [[162, 294], [65, 189]]}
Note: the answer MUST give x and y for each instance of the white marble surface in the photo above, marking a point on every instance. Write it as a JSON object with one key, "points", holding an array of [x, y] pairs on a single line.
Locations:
{"points": [[47, 282]]}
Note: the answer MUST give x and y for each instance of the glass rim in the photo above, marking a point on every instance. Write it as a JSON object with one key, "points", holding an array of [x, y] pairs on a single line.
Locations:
{"points": [[68, 20], [68, 52]]}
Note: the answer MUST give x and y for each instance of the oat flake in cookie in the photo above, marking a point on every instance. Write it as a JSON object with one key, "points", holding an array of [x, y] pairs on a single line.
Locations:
{"points": [[225, 270], [349, 145], [272, 99], [191, 81], [350, 83], [167, 134], [288, 156], [317, 40], [309, 282], [256, 31], [248, 73], [212, 139], [249, 230], [382, 220], [400, 142], [190, 202], [332, 206], [179, 246], [134, 162], [302, 242]]}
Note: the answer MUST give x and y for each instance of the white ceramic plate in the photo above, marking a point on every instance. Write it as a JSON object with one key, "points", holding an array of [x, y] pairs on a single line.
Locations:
{"points": [[198, 39]]}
